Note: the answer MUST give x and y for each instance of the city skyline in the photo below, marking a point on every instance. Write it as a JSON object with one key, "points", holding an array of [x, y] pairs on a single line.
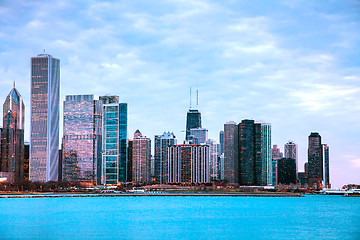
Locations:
{"points": [[294, 65]]}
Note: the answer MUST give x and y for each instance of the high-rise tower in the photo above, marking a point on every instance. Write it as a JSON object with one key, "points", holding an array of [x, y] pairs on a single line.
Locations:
{"points": [[44, 133], [315, 161], [82, 139], [326, 166], [114, 156], [141, 158], [291, 151], [231, 158], [12, 136], [162, 142]]}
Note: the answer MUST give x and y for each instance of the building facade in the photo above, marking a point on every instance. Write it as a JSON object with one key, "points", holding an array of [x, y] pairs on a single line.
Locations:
{"points": [[161, 144], [201, 134], [12, 136], [315, 161], [291, 151], [286, 171], [44, 129], [141, 158], [326, 166], [213, 159], [193, 120], [82, 139], [231, 154], [188, 163], [114, 137]]}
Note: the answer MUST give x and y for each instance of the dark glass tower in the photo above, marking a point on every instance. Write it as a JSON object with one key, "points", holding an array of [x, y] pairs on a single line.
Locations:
{"points": [[315, 161], [286, 171], [12, 136], [326, 163], [193, 120], [231, 162]]}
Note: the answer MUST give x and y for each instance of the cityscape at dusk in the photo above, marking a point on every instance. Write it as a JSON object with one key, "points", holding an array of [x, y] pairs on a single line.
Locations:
{"points": [[180, 99]]}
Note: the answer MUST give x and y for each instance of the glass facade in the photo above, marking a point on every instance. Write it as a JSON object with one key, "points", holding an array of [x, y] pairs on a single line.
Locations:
{"points": [[44, 133], [114, 156], [82, 139], [231, 162], [193, 120], [315, 161], [12, 136]]}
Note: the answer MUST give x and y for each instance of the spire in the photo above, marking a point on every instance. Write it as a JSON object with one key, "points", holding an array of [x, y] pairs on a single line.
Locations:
{"points": [[14, 84]]}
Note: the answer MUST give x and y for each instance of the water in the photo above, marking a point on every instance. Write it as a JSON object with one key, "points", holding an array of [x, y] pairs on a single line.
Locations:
{"points": [[310, 217]]}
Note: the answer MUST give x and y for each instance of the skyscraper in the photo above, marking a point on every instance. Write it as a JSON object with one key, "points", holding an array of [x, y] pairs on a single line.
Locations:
{"points": [[221, 140], [213, 159], [114, 137], [44, 139], [291, 151], [231, 157], [255, 159], [141, 158], [276, 155], [189, 163], [12, 136], [162, 142], [82, 139], [286, 171], [327, 169], [200, 133], [193, 120], [315, 161]]}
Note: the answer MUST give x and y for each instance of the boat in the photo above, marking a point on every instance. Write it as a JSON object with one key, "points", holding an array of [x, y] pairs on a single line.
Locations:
{"points": [[334, 191]]}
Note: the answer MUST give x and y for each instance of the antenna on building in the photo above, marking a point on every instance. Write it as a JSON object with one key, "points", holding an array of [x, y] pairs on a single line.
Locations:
{"points": [[197, 98], [190, 97], [14, 83]]}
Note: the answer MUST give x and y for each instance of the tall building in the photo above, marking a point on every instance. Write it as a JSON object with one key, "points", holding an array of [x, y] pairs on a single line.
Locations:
{"points": [[231, 161], [255, 159], [114, 137], [286, 171], [213, 159], [12, 136], [82, 139], [327, 169], [129, 160], [193, 120], [162, 142], [315, 161], [44, 129], [141, 158], [201, 134], [26, 160], [276, 155], [291, 151], [221, 140], [189, 163]]}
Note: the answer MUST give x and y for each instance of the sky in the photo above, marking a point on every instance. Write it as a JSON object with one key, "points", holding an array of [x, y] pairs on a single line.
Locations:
{"points": [[294, 64]]}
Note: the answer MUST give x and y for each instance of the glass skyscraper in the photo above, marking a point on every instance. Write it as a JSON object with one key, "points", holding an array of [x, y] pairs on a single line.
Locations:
{"points": [[44, 139], [114, 156], [82, 139], [315, 161], [193, 120], [12, 136]]}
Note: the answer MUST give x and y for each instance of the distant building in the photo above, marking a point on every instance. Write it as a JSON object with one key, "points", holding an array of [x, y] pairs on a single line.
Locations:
{"points": [[200, 133], [44, 131], [129, 160], [303, 179], [189, 163], [26, 160], [286, 170], [213, 158], [12, 136], [141, 158], [276, 153], [221, 140], [193, 120], [114, 140], [255, 160], [327, 169], [162, 142], [291, 151], [231, 154], [315, 161], [82, 139]]}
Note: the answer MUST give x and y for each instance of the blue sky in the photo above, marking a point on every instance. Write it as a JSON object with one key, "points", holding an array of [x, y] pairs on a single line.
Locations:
{"points": [[294, 64]]}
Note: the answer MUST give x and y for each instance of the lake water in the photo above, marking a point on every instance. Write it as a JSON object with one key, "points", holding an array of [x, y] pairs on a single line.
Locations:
{"points": [[310, 217]]}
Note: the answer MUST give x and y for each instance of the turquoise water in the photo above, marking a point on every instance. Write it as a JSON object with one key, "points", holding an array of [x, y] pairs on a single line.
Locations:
{"points": [[310, 217]]}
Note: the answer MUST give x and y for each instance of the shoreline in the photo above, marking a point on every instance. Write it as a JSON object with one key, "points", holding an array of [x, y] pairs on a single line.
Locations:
{"points": [[51, 195]]}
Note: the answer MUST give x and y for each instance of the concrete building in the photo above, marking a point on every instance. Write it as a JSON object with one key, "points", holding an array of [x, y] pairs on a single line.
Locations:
{"points": [[141, 166]]}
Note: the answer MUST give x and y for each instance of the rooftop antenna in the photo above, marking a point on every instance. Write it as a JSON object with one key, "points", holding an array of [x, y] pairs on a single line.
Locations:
{"points": [[190, 97], [14, 83], [197, 98]]}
